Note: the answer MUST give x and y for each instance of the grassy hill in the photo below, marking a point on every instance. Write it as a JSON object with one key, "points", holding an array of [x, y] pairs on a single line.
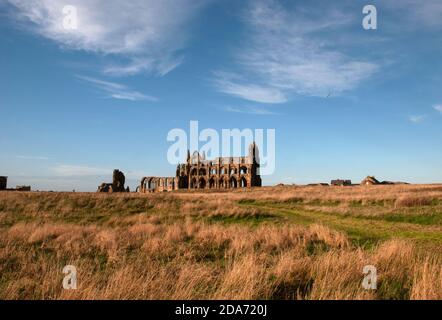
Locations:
{"points": [[266, 243]]}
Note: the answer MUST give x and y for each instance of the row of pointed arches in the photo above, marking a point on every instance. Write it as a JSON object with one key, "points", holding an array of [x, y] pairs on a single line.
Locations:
{"points": [[222, 170], [154, 183], [218, 183]]}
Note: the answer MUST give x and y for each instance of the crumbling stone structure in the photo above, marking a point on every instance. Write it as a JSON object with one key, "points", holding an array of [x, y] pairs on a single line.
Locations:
{"points": [[199, 173], [4, 182], [117, 185], [118, 181], [105, 187]]}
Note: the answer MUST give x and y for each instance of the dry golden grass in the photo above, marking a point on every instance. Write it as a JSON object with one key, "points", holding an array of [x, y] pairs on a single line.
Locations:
{"points": [[222, 245], [410, 201]]}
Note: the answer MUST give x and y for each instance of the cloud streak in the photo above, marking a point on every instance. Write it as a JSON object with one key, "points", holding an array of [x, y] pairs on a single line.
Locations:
{"points": [[117, 91], [250, 110], [231, 84], [145, 35], [285, 55], [438, 107], [417, 13], [66, 170], [73, 170], [417, 118], [31, 157]]}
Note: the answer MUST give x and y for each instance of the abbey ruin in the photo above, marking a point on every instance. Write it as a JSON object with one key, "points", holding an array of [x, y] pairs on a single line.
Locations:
{"points": [[117, 185], [199, 173]]}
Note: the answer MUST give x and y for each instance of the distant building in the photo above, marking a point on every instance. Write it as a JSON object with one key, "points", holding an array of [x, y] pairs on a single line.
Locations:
{"points": [[23, 188], [340, 182], [371, 180], [3, 183]]}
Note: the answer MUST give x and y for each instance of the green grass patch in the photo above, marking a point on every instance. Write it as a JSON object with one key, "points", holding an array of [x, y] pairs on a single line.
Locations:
{"points": [[253, 219], [364, 231], [421, 219]]}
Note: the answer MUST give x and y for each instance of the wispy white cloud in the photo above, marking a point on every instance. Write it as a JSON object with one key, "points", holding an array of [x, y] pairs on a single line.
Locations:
{"points": [[117, 91], [438, 107], [31, 157], [422, 117], [231, 84], [146, 34], [416, 13], [73, 170], [417, 118], [144, 65], [65, 170], [250, 110], [285, 55]]}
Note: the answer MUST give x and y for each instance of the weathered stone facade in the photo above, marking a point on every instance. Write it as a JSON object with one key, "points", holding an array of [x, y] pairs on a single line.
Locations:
{"points": [[199, 173]]}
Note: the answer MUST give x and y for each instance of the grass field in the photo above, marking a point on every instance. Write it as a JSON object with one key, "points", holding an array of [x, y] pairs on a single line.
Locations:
{"points": [[266, 243]]}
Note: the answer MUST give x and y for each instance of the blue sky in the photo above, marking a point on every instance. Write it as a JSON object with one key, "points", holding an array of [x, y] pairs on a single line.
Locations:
{"points": [[345, 102]]}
